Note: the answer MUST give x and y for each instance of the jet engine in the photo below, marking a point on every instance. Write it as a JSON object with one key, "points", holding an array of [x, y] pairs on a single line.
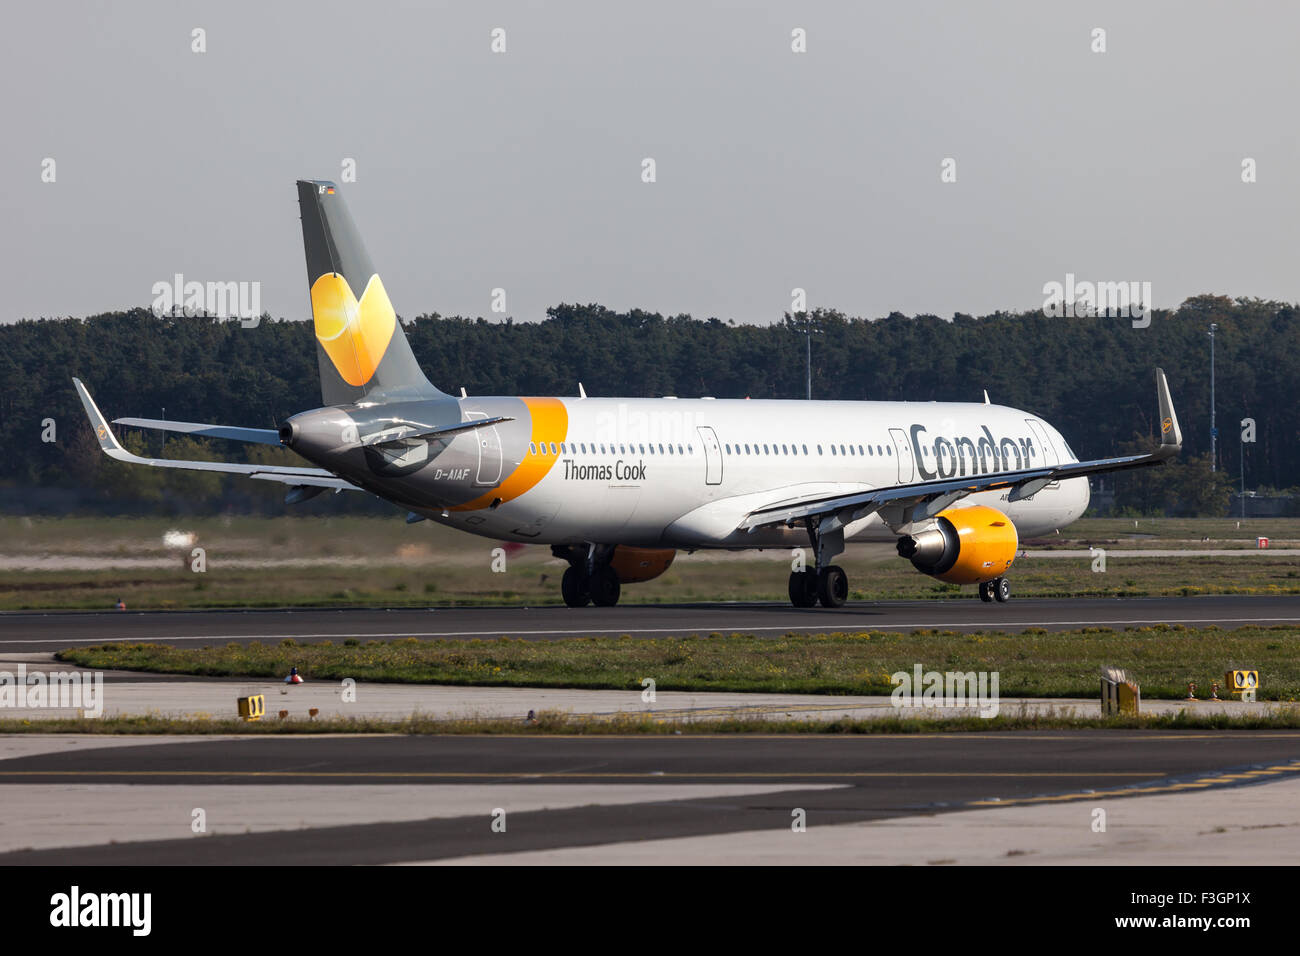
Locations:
{"points": [[966, 545]]}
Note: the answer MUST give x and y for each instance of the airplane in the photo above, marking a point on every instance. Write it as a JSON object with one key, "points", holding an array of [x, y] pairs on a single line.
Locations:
{"points": [[617, 486]]}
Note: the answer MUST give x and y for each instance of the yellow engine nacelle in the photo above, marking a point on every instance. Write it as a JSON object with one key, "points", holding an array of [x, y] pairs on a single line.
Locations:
{"points": [[633, 565], [966, 546]]}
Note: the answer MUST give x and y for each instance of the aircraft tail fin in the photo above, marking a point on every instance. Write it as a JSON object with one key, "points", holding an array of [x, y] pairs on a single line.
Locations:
{"points": [[360, 345]]}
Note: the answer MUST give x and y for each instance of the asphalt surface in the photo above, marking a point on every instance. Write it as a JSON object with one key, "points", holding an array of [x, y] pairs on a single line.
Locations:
{"points": [[874, 778], [22, 631]]}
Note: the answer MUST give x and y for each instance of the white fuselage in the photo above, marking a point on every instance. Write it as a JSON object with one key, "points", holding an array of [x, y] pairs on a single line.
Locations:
{"points": [[684, 473]]}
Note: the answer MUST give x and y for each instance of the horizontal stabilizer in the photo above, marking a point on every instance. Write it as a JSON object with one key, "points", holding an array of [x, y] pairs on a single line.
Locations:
{"points": [[259, 436], [108, 443]]}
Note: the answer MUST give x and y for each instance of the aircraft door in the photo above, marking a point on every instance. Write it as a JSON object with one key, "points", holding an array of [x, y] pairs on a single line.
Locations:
{"points": [[489, 453], [712, 456], [903, 452], [1044, 443]]}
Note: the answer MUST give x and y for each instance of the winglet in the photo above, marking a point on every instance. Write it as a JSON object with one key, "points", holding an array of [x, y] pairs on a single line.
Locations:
{"points": [[1171, 436], [103, 434]]}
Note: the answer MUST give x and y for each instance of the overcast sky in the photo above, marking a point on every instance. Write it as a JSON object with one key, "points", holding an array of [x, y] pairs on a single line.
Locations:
{"points": [[775, 170]]}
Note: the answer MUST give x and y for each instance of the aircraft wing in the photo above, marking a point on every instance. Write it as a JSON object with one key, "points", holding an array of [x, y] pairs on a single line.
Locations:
{"points": [[925, 499], [298, 477]]}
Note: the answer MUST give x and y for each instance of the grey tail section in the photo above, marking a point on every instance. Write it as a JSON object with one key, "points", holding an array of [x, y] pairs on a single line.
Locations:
{"points": [[356, 361]]}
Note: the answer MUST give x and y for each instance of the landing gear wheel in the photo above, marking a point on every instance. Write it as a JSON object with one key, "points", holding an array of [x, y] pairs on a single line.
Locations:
{"points": [[605, 587], [803, 588], [1001, 590], [986, 592], [832, 586], [575, 588]]}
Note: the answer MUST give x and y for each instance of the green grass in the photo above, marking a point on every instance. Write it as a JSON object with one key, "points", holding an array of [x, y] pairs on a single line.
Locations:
{"points": [[551, 723], [384, 562], [1032, 663]]}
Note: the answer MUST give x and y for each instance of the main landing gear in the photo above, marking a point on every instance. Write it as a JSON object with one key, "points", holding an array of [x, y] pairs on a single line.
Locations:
{"points": [[588, 579], [829, 586], [999, 589], [601, 587]]}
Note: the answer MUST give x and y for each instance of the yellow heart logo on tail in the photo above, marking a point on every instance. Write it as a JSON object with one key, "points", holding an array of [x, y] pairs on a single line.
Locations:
{"points": [[355, 334]]}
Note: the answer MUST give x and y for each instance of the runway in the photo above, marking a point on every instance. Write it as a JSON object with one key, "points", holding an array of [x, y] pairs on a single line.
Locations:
{"points": [[373, 800], [36, 631]]}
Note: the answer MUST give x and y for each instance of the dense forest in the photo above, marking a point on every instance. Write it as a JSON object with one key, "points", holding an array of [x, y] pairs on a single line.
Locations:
{"points": [[1091, 377]]}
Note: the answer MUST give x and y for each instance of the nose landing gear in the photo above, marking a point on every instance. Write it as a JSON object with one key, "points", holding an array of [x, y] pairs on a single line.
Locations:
{"points": [[999, 589]]}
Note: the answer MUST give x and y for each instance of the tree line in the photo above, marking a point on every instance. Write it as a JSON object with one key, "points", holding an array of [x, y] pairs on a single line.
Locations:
{"points": [[1091, 377]]}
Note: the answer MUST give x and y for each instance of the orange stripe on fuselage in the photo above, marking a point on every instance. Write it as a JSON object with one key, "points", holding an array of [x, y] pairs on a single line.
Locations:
{"points": [[550, 422]]}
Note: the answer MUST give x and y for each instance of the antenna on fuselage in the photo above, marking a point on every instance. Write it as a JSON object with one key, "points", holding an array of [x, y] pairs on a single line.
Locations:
{"points": [[986, 397], [462, 392], [582, 392]]}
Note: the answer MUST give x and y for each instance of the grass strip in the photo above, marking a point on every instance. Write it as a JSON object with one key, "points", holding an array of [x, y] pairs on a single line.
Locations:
{"points": [[1032, 663]]}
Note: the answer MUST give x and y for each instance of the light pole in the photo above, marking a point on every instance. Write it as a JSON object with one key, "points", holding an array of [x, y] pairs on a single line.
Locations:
{"points": [[807, 329], [1214, 432], [1243, 474]]}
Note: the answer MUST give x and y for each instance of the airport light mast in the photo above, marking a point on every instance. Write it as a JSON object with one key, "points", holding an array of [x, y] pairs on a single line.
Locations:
{"points": [[1214, 432], [807, 327], [1243, 474]]}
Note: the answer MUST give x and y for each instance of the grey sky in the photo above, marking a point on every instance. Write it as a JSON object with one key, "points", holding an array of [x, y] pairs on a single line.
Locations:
{"points": [[522, 170]]}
